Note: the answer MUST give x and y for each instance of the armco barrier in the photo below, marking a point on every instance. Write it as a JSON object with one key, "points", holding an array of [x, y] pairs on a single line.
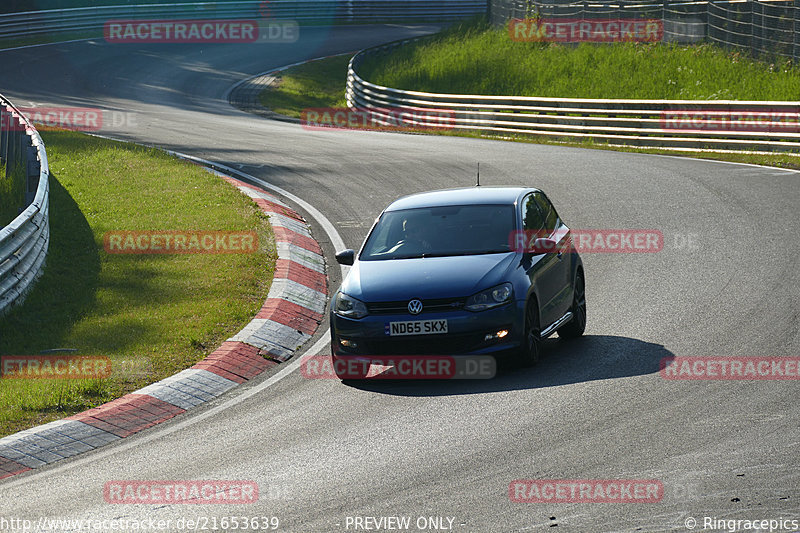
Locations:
{"points": [[83, 19], [24, 242], [672, 124]]}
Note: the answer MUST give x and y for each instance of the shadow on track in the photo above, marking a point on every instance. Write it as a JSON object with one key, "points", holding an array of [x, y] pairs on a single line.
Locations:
{"points": [[588, 358]]}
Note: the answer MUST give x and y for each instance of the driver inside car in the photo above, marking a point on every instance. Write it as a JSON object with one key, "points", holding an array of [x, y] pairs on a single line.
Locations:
{"points": [[416, 239]]}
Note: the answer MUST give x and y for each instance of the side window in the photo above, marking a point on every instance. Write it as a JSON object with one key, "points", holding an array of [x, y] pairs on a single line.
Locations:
{"points": [[550, 215], [532, 219]]}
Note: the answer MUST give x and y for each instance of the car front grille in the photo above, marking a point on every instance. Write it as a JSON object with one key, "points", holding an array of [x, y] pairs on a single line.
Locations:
{"points": [[428, 306]]}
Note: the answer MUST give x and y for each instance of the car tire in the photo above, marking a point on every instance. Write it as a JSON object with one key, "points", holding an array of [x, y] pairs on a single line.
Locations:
{"points": [[575, 327], [531, 349]]}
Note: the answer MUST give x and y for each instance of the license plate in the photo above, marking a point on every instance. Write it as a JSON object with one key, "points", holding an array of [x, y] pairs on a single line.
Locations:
{"points": [[416, 327]]}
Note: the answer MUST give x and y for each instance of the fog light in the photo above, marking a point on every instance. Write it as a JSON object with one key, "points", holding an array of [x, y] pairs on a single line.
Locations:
{"points": [[499, 335], [348, 343]]}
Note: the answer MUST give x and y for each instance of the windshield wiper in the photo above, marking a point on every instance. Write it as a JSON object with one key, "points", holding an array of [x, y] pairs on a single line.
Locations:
{"points": [[459, 254], [475, 252], [442, 254], [489, 252]]}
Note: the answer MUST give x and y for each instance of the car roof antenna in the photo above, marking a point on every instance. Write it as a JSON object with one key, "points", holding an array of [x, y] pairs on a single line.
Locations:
{"points": [[478, 182]]}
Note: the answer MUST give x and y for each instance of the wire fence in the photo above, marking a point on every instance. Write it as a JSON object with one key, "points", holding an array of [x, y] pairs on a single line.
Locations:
{"points": [[760, 27]]}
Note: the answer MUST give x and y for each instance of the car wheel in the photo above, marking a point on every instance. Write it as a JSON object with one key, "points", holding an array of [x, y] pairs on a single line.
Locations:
{"points": [[576, 326], [532, 343]]}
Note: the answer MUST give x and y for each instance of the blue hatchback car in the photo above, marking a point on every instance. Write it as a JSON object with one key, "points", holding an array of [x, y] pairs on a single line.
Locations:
{"points": [[442, 273]]}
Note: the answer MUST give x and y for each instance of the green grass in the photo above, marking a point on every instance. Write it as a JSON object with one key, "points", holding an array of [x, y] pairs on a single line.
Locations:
{"points": [[12, 196], [472, 58], [777, 159], [152, 315], [322, 83], [315, 84]]}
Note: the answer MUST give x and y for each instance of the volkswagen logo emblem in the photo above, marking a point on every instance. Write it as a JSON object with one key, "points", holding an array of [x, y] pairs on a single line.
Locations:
{"points": [[415, 307]]}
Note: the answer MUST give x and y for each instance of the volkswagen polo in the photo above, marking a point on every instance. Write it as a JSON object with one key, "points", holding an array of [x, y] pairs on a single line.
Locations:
{"points": [[442, 273]]}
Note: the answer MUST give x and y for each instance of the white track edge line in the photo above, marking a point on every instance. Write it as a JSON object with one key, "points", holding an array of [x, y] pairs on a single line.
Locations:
{"points": [[37, 45], [290, 367], [156, 433]]}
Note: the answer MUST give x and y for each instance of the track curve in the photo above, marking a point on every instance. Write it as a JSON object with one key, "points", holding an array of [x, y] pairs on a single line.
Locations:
{"points": [[595, 408]]}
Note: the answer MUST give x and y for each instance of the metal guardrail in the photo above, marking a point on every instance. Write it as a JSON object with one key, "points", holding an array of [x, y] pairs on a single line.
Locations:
{"points": [[24, 242], [87, 19], [674, 124]]}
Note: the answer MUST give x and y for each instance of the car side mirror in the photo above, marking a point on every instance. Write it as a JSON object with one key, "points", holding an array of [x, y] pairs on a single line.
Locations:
{"points": [[346, 257], [543, 245]]}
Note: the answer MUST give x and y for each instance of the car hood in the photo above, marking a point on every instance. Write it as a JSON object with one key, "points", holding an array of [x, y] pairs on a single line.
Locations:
{"points": [[425, 278]]}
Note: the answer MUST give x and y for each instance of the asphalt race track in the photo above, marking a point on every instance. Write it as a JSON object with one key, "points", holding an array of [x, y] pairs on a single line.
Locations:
{"points": [[596, 408]]}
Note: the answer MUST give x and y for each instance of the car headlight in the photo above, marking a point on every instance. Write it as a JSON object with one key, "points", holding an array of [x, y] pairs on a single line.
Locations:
{"points": [[490, 298], [349, 307]]}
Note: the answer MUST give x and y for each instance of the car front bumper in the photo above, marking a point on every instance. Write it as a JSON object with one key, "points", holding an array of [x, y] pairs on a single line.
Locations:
{"points": [[468, 333]]}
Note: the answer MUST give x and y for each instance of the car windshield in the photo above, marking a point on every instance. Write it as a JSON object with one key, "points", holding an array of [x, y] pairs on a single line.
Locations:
{"points": [[441, 232]]}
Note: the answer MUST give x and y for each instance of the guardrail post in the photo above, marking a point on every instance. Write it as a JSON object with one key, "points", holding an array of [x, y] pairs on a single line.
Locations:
{"points": [[34, 168], [10, 147], [5, 117], [22, 154], [753, 48], [796, 33]]}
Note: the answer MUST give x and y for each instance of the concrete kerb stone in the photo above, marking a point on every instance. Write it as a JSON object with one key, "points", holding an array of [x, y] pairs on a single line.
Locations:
{"points": [[301, 256], [296, 300]]}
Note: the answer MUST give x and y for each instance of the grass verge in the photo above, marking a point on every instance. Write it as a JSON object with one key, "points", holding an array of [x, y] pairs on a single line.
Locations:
{"points": [[473, 58], [322, 84], [12, 196], [316, 84], [153, 315]]}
